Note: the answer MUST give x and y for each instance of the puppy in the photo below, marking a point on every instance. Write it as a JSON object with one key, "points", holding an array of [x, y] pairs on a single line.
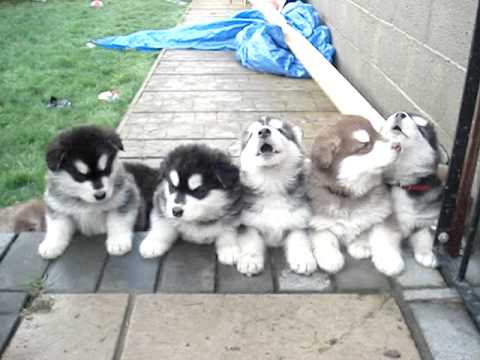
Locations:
{"points": [[416, 187], [30, 217], [200, 199], [88, 190], [273, 168], [348, 196]]}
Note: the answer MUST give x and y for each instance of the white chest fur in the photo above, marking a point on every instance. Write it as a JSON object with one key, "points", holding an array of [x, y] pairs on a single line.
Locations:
{"points": [[200, 234], [90, 222], [272, 215], [407, 213]]}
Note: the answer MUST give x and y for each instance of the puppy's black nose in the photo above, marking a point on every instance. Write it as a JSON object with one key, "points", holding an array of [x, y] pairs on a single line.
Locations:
{"points": [[100, 195], [264, 133], [177, 211], [400, 116]]}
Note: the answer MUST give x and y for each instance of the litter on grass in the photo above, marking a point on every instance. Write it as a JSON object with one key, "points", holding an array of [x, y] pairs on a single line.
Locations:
{"points": [[259, 45], [109, 96], [58, 103], [96, 4]]}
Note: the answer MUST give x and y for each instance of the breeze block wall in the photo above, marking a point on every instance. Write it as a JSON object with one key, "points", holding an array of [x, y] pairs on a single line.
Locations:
{"points": [[404, 55]]}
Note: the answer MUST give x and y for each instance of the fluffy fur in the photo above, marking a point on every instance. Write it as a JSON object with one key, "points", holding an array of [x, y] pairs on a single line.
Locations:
{"points": [[348, 196], [198, 199], [88, 190], [30, 217], [415, 185], [272, 166]]}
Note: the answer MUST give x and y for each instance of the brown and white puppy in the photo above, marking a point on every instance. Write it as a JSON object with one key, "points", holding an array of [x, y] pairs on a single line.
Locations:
{"points": [[347, 192], [30, 216]]}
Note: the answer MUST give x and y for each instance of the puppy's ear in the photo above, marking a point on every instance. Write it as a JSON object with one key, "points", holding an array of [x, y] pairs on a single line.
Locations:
{"points": [[443, 154], [227, 174], [298, 133], [244, 138], [324, 150], [55, 155], [113, 139]]}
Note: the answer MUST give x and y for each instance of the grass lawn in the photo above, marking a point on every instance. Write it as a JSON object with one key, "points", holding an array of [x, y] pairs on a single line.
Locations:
{"points": [[43, 54]]}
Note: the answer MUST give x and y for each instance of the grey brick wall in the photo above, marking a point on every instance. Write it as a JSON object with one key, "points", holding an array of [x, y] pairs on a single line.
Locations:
{"points": [[404, 55]]}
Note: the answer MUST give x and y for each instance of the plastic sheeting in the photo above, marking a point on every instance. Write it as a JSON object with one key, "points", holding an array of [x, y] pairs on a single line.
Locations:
{"points": [[259, 45]]}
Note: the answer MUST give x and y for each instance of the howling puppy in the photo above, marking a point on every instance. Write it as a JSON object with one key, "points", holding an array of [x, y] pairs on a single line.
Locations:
{"points": [[198, 199], [415, 185], [348, 196], [90, 191], [272, 167]]}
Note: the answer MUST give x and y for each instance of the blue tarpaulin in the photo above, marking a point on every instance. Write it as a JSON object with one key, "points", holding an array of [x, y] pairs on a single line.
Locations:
{"points": [[259, 45]]}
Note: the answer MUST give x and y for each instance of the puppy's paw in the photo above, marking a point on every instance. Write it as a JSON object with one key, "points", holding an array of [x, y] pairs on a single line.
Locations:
{"points": [[51, 249], [332, 261], [150, 248], [302, 263], [250, 264], [360, 250], [427, 259], [228, 255], [389, 263], [119, 245]]}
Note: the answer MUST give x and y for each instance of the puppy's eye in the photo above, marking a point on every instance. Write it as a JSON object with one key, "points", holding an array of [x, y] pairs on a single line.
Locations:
{"points": [[80, 176], [364, 145], [200, 191]]}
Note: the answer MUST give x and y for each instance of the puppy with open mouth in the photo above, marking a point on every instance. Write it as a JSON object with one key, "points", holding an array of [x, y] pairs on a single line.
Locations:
{"points": [[89, 190], [199, 198], [348, 196], [415, 186], [273, 168]]}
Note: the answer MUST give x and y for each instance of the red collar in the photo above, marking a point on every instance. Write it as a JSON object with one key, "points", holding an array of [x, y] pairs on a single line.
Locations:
{"points": [[416, 187]]}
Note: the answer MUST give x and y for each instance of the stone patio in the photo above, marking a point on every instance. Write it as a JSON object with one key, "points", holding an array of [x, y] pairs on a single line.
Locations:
{"points": [[186, 305]]}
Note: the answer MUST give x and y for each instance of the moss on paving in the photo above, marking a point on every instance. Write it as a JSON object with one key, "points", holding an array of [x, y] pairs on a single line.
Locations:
{"points": [[43, 53]]}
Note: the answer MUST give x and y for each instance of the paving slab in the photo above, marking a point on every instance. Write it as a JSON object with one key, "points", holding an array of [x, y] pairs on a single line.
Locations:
{"points": [[448, 330], [360, 276], [5, 241], [79, 268], [266, 327], [210, 125], [7, 326], [188, 268], [234, 101], [75, 327], [12, 302], [22, 264], [287, 281], [416, 276], [227, 82], [229, 280], [130, 272], [431, 294], [201, 67]]}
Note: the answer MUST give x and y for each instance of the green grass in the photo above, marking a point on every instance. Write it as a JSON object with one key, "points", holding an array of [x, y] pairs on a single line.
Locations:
{"points": [[43, 53]]}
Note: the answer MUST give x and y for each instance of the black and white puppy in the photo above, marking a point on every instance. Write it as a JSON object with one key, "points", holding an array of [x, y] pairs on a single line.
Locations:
{"points": [[88, 190], [273, 168], [198, 199], [415, 186]]}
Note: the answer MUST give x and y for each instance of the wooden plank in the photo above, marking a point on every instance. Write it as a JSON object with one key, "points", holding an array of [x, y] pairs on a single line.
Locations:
{"points": [[5, 240], [79, 268], [230, 281], [22, 264], [130, 272], [188, 268]]}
